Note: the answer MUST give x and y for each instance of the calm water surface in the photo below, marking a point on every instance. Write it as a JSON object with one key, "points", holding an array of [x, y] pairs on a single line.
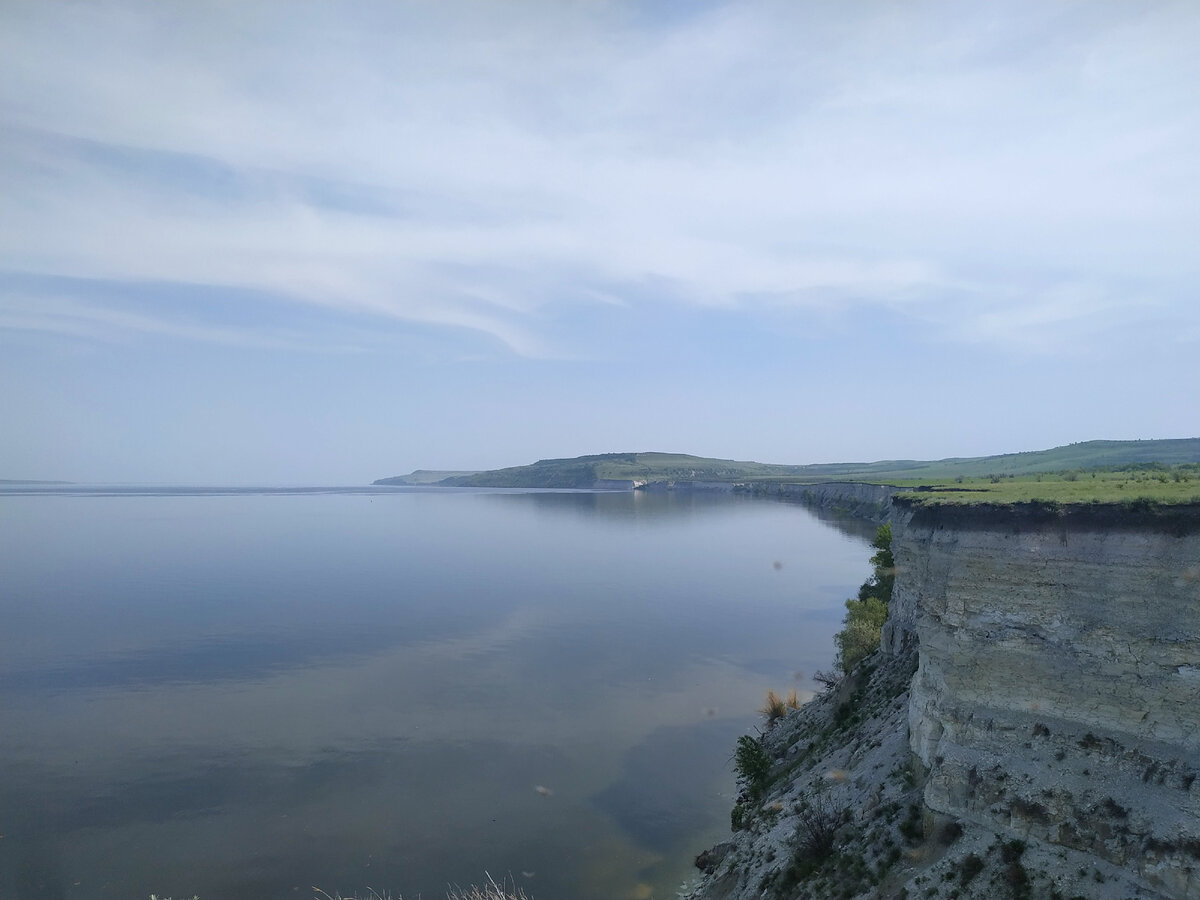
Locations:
{"points": [[245, 693]]}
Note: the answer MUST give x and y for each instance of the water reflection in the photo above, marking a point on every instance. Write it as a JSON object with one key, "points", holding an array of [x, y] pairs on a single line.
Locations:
{"points": [[237, 694], [625, 506], [656, 506], [656, 797]]}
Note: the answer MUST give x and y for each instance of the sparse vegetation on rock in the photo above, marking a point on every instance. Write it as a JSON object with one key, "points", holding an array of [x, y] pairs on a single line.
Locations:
{"points": [[752, 764], [865, 615], [490, 890]]}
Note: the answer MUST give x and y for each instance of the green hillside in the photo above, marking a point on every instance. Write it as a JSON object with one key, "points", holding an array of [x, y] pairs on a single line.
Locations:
{"points": [[1083, 456], [585, 471], [423, 476]]}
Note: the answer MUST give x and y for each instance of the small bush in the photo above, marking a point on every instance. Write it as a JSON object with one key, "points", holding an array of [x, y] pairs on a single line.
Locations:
{"points": [[972, 865], [1114, 809], [752, 764], [828, 679], [737, 817], [1018, 880], [1011, 851], [817, 831], [864, 626], [866, 614], [911, 828], [1032, 810], [950, 833]]}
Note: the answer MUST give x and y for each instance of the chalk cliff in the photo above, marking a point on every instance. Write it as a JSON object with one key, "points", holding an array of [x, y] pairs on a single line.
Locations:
{"points": [[1048, 743], [1058, 689], [872, 501]]}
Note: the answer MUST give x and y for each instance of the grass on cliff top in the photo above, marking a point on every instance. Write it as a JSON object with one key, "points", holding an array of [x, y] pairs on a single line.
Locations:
{"points": [[1176, 484]]}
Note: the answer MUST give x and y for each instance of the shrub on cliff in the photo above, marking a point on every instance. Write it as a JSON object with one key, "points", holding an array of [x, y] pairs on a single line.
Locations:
{"points": [[866, 615], [883, 577], [860, 638], [818, 823], [753, 765]]}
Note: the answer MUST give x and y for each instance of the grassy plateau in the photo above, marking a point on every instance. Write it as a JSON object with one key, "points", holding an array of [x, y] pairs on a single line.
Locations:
{"points": [[1157, 484]]}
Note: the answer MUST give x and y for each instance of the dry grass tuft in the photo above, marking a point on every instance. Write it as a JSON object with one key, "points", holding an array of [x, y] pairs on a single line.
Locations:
{"points": [[489, 891], [774, 708]]}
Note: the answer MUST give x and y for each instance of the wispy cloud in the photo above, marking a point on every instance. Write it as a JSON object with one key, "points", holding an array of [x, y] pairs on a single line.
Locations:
{"points": [[471, 166]]}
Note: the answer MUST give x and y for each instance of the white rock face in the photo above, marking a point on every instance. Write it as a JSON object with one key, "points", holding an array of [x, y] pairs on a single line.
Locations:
{"points": [[1058, 689]]}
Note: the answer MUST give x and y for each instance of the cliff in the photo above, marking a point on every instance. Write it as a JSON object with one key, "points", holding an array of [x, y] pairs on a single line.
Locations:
{"points": [[1058, 691], [872, 501], [1047, 744]]}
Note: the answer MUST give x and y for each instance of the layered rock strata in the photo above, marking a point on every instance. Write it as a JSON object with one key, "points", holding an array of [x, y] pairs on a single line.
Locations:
{"points": [[872, 501], [1048, 744], [1058, 690]]}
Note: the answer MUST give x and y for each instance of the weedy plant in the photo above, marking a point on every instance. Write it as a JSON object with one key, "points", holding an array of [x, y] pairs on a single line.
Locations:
{"points": [[489, 891], [752, 764], [866, 614], [819, 821], [776, 707]]}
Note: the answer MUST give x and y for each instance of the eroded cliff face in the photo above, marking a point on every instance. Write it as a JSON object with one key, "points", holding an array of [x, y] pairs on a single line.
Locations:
{"points": [[871, 501], [1047, 746], [1058, 689]]}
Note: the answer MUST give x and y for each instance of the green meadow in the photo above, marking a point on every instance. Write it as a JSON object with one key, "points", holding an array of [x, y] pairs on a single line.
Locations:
{"points": [[1153, 483]]}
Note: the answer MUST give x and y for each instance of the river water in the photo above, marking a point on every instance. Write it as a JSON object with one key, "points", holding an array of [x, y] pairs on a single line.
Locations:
{"points": [[245, 693]]}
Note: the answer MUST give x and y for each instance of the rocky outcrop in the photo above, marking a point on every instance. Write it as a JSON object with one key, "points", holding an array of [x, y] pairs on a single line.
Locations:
{"points": [[872, 501], [840, 761], [1058, 690], [1048, 744]]}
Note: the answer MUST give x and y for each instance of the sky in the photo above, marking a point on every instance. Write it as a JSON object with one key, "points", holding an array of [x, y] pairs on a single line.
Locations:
{"points": [[328, 242]]}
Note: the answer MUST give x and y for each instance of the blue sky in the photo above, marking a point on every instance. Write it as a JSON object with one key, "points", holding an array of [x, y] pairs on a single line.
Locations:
{"points": [[329, 242]]}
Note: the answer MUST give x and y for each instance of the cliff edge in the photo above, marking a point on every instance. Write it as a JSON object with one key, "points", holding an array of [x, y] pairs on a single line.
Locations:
{"points": [[1030, 727]]}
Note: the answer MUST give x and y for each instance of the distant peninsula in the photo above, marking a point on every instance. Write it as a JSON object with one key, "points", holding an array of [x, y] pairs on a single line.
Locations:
{"points": [[427, 476], [635, 470]]}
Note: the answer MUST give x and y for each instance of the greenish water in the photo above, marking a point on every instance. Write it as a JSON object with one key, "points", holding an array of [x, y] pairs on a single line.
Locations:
{"points": [[244, 693]]}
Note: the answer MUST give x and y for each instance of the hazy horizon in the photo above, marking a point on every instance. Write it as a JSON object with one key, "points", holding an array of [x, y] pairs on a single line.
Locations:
{"points": [[327, 243], [268, 484]]}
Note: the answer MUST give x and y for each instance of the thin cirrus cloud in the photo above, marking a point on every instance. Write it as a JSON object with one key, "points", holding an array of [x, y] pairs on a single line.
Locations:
{"points": [[485, 168]]}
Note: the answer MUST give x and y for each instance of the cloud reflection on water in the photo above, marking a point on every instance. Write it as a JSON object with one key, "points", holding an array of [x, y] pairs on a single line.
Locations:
{"points": [[367, 692]]}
